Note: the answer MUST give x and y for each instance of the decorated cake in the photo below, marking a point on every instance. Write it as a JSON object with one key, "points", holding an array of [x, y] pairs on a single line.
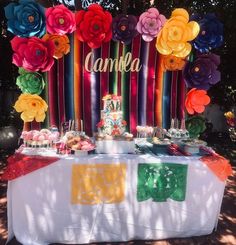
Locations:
{"points": [[112, 122], [112, 136]]}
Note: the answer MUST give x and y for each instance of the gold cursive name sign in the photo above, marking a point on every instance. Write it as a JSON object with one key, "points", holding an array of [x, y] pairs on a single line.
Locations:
{"points": [[120, 64]]}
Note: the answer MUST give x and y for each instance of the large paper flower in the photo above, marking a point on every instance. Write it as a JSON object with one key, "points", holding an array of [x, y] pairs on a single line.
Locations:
{"points": [[32, 107], [176, 33], [195, 126], [150, 23], [211, 33], [124, 28], [60, 20], [61, 43], [202, 73], [94, 26], [172, 63], [33, 54], [196, 100], [25, 18], [30, 82]]}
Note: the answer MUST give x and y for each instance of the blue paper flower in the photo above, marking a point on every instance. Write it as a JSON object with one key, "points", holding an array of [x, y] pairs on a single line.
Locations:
{"points": [[25, 18], [211, 33]]}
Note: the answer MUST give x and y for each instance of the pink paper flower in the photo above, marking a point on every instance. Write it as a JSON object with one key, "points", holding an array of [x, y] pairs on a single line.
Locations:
{"points": [[60, 20], [150, 23], [33, 54]]}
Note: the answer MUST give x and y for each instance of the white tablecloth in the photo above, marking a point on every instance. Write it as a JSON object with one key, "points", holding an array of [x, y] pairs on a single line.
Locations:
{"points": [[40, 211]]}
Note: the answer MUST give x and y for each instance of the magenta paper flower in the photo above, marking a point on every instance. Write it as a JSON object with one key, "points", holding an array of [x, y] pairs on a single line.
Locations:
{"points": [[60, 20], [150, 23], [33, 54]]}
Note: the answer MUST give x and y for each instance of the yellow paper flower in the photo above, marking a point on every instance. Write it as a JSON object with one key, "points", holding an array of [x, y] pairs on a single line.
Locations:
{"points": [[32, 107], [176, 33], [172, 63], [61, 43], [229, 115]]}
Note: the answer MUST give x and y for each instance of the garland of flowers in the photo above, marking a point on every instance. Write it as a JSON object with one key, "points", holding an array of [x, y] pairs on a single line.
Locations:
{"points": [[41, 36]]}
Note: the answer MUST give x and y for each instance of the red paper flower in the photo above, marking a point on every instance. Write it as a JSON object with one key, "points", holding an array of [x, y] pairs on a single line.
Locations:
{"points": [[124, 123], [115, 132], [60, 20], [196, 101], [115, 97], [33, 54], [101, 124], [94, 26]]}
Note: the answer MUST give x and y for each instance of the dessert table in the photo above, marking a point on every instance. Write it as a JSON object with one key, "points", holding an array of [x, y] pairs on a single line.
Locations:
{"points": [[49, 205]]}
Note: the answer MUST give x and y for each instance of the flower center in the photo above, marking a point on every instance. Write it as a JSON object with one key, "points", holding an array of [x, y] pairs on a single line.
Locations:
{"points": [[33, 104], [96, 27], [123, 28], [203, 33], [175, 33], [151, 24], [56, 43], [196, 69], [31, 18], [61, 21], [38, 52], [171, 60]]}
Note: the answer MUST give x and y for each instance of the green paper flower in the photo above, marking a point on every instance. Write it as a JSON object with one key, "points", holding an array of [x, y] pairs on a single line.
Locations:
{"points": [[30, 82], [195, 125]]}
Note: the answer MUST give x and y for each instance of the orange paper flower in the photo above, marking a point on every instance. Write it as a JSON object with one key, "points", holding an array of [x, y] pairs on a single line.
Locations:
{"points": [[218, 165], [32, 107], [61, 43], [176, 33], [172, 63], [196, 101]]}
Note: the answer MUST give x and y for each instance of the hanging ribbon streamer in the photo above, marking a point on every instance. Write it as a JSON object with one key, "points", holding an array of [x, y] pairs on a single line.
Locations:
{"points": [[69, 81], [151, 84], [104, 76], [113, 77], [52, 95], [134, 76], [95, 91], [87, 93], [174, 94], [166, 99], [181, 97], [125, 89], [158, 92], [142, 89], [77, 81], [61, 91]]}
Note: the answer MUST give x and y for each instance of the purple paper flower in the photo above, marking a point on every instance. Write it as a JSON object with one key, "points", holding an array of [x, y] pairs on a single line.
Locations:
{"points": [[202, 73], [150, 23], [211, 32], [124, 28]]}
